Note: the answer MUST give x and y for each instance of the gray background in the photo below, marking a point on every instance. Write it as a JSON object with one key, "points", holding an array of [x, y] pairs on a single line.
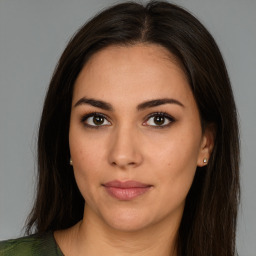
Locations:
{"points": [[33, 34]]}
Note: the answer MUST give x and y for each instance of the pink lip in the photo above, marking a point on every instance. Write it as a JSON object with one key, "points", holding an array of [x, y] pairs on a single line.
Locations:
{"points": [[127, 190]]}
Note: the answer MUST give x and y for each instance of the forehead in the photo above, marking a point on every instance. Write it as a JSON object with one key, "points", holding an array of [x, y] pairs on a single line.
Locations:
{"points": [[139, 72]]}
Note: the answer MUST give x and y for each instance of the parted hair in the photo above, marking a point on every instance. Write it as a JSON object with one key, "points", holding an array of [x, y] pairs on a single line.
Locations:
{"points": [[208, 225]]}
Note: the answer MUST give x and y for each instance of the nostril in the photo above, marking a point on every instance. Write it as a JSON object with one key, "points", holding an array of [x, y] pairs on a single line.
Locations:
{"points": [[132, 163], [123, 163], [113, 163], [124, 153]]}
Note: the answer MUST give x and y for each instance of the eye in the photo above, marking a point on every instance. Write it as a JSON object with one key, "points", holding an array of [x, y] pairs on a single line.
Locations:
{"points": [[159, 120], [95, 120]]}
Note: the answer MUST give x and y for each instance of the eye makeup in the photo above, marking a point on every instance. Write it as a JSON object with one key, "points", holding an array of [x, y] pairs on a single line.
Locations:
{"points": [[95, 120], [158, 120]]}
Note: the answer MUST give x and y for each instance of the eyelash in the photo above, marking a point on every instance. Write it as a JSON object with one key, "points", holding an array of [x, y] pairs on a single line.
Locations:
{"points": [[161, 114], [94, 114], [156, 114]]}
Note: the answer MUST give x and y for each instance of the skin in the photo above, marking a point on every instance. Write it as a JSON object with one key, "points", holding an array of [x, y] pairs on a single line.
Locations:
{"points": [[130, 145]]}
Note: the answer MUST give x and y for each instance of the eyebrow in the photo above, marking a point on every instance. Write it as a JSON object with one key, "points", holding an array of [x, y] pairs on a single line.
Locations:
{"points": [[147, 104], [158, 102], [95, 103]]}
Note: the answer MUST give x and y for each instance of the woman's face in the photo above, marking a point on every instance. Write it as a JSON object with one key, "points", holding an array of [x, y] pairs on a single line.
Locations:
{"points": [[135, 137]]}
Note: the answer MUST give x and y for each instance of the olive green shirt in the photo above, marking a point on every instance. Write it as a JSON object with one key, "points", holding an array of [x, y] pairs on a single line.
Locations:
{"points": [[39, 245]]}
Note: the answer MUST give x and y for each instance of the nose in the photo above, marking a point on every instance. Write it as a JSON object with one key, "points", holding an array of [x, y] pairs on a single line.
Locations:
{"points": [[124, 151]]}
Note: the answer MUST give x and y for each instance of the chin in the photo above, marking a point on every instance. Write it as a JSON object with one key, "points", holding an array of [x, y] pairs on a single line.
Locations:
{"points": [[127, 226], [128, 221]]}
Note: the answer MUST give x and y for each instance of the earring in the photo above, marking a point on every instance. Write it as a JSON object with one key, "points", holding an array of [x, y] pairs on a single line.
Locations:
{"points": [[70, 162], [205, 160]]}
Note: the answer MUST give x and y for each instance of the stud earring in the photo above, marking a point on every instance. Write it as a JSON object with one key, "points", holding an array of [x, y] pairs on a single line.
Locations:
{"points": [[70, 162], [205, 160]]}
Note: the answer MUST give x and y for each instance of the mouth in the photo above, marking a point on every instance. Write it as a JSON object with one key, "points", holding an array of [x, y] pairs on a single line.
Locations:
{"points": [[125, 191]]}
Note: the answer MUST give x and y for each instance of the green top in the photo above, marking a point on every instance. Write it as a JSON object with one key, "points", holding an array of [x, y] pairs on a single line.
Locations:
{"points": [[39, 245]]}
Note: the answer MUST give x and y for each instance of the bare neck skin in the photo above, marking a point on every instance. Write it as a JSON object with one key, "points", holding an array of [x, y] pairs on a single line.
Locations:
{"points": [[93, 237]]}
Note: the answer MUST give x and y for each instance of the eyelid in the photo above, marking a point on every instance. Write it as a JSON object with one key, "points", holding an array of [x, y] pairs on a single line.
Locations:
{"points": [[91, 114], [163, 114]]}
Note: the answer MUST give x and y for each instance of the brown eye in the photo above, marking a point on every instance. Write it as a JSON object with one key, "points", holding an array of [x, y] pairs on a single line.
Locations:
{"points": [[159, 120], [95, 120], [98, 120]]}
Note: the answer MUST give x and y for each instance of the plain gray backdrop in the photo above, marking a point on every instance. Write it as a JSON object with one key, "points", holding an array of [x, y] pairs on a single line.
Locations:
{"points": [[33, 34]]}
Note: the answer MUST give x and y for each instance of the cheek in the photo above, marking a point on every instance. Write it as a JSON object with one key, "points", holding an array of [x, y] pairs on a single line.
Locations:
{"points": [[178, 151], [174, 178], [177, 173], [87, 159], [175, 159], [86, 151]]}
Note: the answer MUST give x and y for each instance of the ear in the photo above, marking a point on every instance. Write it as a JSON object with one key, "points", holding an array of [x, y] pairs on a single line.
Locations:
{"points": [[207, 144]]}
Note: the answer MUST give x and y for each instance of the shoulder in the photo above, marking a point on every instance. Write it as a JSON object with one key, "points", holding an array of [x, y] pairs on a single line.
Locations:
{"points": [[43, 244]]}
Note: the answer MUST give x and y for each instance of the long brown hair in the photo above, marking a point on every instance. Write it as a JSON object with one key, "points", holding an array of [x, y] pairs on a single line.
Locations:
{"points": [[208, 226]]}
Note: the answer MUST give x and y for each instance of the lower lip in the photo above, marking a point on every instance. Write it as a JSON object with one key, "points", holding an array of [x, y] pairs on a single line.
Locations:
{"points": [[126, 194]]}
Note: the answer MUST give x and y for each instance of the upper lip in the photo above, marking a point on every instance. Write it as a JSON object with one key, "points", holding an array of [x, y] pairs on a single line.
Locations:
{"points": [[126, 184]]}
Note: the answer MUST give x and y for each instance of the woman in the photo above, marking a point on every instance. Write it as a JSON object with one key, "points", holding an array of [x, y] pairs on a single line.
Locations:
{"points": [[138, 149]]}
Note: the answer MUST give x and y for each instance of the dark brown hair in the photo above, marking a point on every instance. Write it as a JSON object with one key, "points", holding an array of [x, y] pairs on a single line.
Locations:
{"points": [[208, 225]]}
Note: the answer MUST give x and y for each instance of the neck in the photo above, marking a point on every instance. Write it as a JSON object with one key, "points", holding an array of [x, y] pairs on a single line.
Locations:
{"points": [[98, 237], [92, 237]]}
